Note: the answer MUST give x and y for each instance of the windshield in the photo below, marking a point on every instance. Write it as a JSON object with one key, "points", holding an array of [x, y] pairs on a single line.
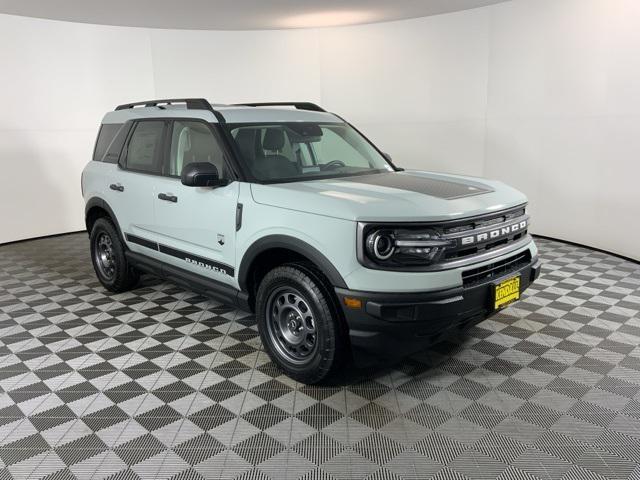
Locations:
{"points": [[302, 151]]}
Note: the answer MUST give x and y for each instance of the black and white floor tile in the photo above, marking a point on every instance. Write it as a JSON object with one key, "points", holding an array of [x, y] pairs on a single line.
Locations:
{"points": [[161, 383]]}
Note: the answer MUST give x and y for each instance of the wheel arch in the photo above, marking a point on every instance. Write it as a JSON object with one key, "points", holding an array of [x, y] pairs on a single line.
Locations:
{"points": [[97, 208], [275, 247]]}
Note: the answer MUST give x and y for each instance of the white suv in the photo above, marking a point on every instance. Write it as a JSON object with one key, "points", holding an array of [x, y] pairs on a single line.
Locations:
{"points": [[288, 211]]}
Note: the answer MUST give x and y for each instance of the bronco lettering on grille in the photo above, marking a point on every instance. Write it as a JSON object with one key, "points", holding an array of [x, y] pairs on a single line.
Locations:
{"points": [[494, 234]]}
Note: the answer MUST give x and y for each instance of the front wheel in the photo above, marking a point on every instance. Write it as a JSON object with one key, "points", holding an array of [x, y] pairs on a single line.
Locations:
{"points": [[299, 323]]}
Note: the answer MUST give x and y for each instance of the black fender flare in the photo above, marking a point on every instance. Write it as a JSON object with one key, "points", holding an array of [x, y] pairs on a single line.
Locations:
{"points": [[100, 203], [293, 244]]}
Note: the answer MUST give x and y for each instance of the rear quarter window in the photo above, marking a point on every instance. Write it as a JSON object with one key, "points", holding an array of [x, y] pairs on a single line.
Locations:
{"points": [[106, 134]]}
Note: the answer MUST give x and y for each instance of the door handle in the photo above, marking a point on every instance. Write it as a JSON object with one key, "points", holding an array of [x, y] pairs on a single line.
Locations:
{"points": [[168, 197], [117, 187]]}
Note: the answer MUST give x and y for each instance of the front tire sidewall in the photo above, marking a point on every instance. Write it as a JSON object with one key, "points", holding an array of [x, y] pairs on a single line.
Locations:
{"points": [[124, 277], [321, 361]]}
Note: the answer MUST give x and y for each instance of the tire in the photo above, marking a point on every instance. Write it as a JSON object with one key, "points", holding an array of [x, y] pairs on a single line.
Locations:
{"points": [[299, 323], [108, 258]]}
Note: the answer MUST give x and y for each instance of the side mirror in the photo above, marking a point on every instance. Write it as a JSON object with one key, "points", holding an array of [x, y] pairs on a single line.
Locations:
{"points": [[201, 174]]}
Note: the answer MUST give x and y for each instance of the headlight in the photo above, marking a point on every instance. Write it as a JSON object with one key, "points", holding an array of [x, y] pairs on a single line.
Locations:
{"points": [[390, 247], [381, 244]]}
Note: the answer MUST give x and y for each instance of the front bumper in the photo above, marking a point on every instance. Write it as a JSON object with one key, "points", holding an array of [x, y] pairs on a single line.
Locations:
{"points": [[390, 326]]}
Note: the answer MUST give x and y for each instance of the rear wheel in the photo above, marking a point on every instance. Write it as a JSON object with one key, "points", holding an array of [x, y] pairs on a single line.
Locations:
{"points": [[299, 323], [108, 258]]}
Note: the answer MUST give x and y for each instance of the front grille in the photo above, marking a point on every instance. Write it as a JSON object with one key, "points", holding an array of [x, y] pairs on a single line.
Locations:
{"points": [[474, 224], [456, 242], [495, 269], [487, 233]]}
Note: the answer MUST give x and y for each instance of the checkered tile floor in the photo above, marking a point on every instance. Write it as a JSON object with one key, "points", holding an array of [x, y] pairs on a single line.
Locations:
{"points": [[163, 383]]}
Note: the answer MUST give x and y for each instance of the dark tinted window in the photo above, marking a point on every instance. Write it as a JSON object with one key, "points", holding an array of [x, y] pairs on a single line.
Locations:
{"points": [[106, 135], [143, 151], [115, 147]]}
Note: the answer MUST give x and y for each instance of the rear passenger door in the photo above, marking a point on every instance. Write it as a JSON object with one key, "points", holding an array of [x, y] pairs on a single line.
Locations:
{"points": [[132, 189], [196, 226]]}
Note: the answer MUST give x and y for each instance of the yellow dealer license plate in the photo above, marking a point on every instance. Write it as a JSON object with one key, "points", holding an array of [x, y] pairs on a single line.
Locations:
{"points": [[507, 292]]}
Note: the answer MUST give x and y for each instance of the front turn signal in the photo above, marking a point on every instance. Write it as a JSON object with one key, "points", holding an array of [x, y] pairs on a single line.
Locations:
{"points": [[354, 303]]}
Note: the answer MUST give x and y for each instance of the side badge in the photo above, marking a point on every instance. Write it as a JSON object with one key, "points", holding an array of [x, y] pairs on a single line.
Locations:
{"points": [[221, 239]]}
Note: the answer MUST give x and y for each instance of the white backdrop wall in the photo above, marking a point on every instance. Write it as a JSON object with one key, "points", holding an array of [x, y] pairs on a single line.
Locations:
{"points": [[56, 80], [563, 117], [539, 94]]}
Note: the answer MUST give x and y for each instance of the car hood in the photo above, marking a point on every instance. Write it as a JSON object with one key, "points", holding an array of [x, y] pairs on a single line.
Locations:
{"points": [[392, 197]]}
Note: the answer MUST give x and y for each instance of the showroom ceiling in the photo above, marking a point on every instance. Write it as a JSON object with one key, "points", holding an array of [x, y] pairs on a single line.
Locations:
{"points": [[234, 14]]}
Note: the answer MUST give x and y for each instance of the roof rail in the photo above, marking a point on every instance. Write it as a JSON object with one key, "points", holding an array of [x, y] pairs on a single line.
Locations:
{"points": [[192, 103], [299, 105]]}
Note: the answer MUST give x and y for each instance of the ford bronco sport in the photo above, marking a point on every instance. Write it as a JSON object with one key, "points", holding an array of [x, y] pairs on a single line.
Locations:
{"points": [[288, 211]]}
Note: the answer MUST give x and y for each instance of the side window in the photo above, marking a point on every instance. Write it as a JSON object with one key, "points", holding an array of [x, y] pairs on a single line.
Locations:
{"points": [[106, 135], [194, 142], [143, 151], [114, 149]]}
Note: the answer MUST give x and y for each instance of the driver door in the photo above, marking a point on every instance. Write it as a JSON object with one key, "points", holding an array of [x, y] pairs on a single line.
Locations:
{"points": [[196, 226]]}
